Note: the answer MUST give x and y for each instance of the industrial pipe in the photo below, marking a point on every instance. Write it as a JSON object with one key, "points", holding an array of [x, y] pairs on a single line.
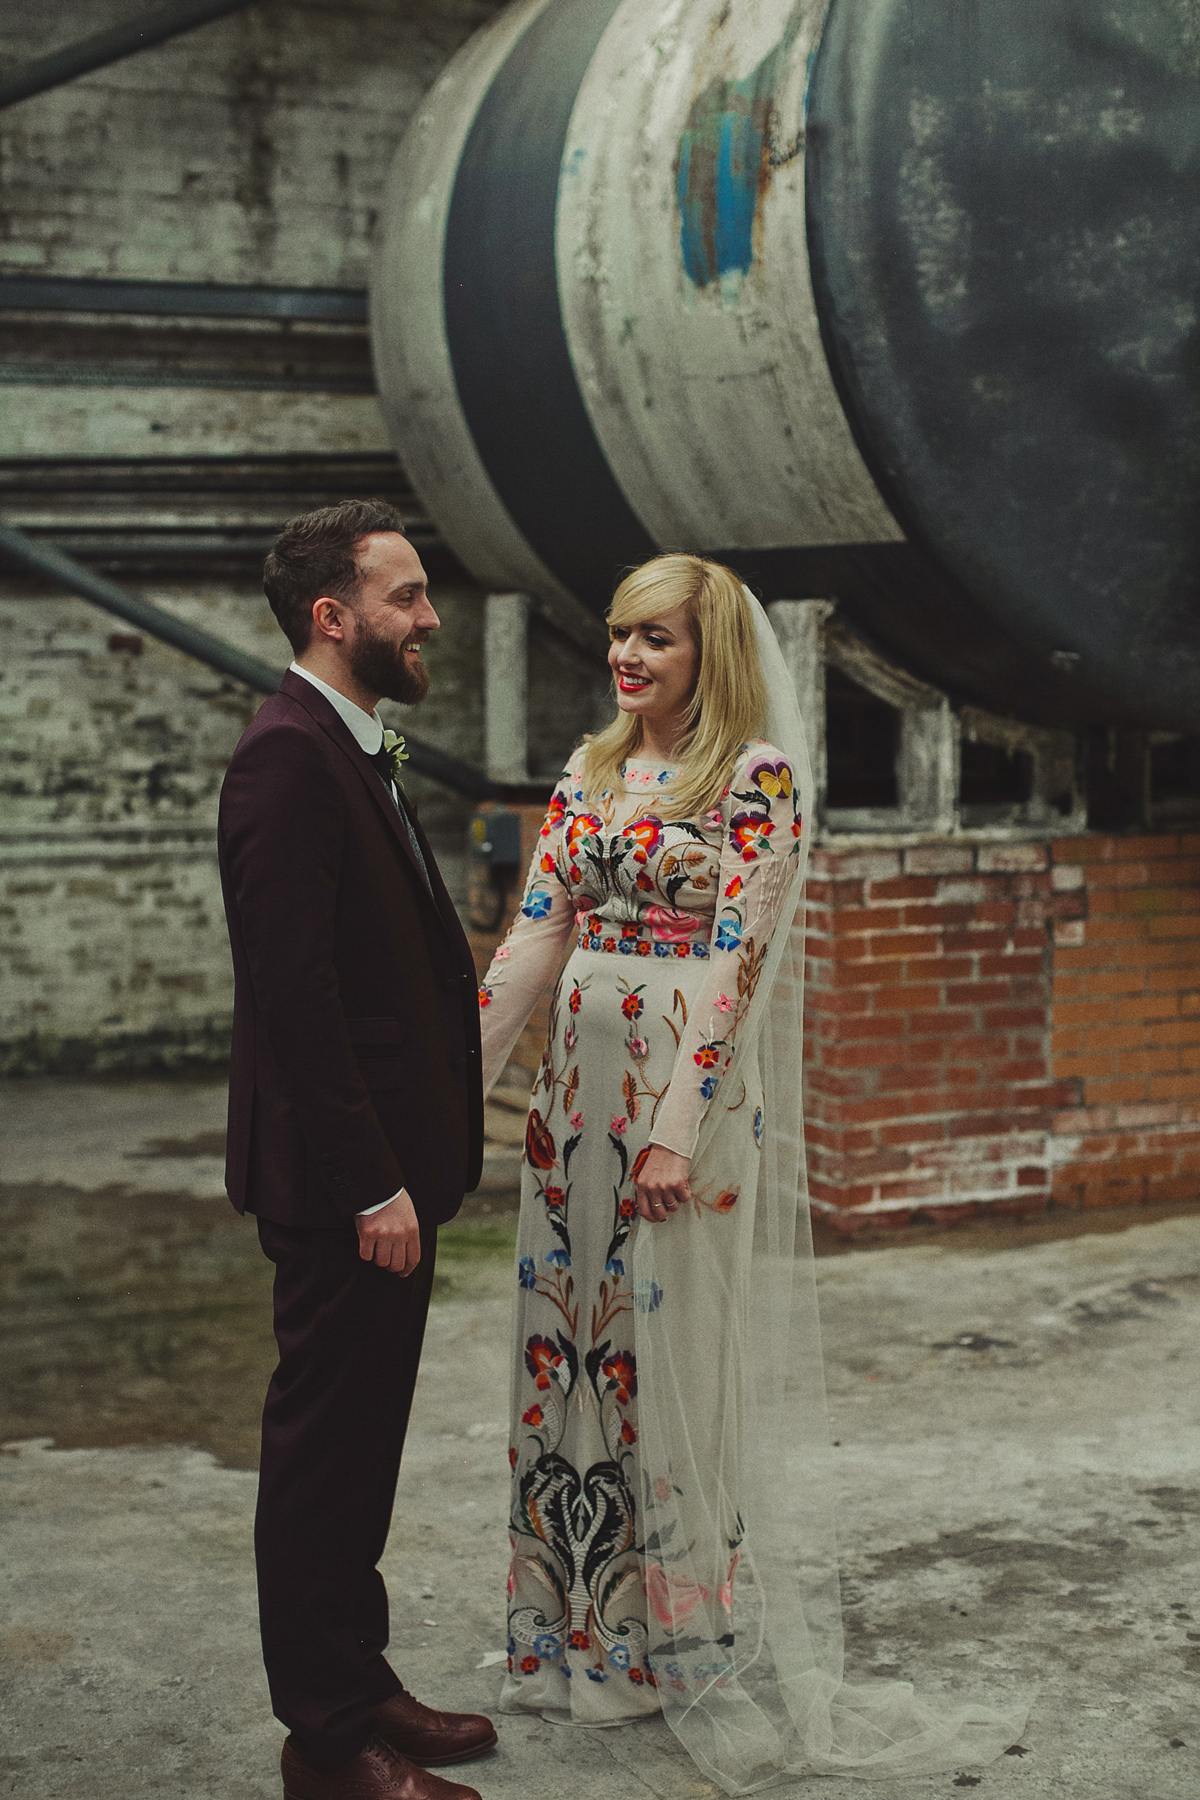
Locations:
{"points": [[181, 299], [111, 46], [227, 659]]}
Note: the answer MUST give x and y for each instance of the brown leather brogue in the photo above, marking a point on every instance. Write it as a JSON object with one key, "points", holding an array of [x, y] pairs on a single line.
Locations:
{"points": [[430, 1737], [376, 1773]]}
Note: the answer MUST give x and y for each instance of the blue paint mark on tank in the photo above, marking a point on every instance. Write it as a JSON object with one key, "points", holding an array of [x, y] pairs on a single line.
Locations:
{"points": [[724, 168], [717, 183], [691, 234], [739, 159], [809, 65]]}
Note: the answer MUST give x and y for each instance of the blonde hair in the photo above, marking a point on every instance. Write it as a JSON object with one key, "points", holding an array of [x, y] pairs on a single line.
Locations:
{"points": [[729, 704]]}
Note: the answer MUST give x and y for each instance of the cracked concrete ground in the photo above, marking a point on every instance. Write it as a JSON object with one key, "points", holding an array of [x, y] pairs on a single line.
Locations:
{"points": [[1019, 1445]]}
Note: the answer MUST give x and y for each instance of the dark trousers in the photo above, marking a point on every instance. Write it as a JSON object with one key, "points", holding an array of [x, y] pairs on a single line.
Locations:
{"points": [[336, 1412]]}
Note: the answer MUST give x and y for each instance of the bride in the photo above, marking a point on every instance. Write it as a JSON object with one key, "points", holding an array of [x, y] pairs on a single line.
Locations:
{"points": [[671, 1539]]}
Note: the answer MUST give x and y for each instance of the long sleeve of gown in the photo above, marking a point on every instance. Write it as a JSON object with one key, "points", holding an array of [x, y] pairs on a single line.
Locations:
{"points": [[532, 953], [762, 841]]}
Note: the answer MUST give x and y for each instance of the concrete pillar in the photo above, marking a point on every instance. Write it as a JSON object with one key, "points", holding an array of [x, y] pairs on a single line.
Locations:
{"points": [[929, 757], [799, 625], [506, 686]]}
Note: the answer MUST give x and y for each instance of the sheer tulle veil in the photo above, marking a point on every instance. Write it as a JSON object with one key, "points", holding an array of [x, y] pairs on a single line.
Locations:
{"points": [[737, 1397]]}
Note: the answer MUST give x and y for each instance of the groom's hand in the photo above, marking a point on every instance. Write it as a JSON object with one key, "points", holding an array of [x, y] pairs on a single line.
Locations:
{"points": [[391, 1237]]}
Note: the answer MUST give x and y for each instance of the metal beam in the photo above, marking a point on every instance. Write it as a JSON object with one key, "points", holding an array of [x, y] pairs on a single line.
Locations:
{"points": [[180, 299], [111, 46], [462, 777]]}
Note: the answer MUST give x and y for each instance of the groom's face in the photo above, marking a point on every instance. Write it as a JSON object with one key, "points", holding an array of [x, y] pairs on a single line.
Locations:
{"points": [[390, 619]]}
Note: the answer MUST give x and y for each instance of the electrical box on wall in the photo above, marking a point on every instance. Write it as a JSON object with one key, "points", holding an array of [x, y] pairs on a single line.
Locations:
{"points": [[496, 837], [494, 847]]}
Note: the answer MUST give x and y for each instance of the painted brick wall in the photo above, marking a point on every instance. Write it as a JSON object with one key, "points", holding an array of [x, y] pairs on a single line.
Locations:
{"points": [[113, 950], [252, 149], [942, 1069]]}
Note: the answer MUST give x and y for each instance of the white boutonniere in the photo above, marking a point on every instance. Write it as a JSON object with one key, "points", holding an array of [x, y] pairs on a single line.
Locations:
{"points": [[397, 755]]}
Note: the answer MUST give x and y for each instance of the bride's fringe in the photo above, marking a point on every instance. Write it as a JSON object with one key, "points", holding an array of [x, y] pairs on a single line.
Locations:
{"points": [[729, 705]]}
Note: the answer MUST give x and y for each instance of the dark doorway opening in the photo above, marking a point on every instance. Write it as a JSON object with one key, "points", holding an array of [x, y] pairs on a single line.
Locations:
{"points": [[862, 739], [1175, 778], [995, 775]]}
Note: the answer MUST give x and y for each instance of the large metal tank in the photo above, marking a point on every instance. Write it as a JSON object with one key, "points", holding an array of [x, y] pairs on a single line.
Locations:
{"points": [[890, 300]]}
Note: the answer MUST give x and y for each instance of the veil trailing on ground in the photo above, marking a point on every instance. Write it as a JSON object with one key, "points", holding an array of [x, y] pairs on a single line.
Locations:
{"points": [[739, 1496]]}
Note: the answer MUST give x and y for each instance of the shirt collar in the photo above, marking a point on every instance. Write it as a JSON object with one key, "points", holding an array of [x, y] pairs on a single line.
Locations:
{"points": [[366, 727]]}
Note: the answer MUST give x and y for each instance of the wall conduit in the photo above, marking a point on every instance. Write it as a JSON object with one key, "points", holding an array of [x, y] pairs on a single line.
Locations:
{"points": [[449, 771]]}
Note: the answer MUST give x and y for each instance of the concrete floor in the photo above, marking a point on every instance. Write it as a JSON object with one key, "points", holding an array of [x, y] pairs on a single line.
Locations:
{"points": [[1020, 1452]]}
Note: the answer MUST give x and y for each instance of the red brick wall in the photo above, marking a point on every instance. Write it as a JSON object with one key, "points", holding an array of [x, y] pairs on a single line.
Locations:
{"points": [[1126, 1023], [942, 1069]]}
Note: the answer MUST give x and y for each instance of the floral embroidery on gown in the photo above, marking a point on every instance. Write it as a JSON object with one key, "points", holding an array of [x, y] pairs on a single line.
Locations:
{"points": [[668, 923]]}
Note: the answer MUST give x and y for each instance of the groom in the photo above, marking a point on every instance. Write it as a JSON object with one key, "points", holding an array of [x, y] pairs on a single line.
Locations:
{"points": [[355, 1127]]}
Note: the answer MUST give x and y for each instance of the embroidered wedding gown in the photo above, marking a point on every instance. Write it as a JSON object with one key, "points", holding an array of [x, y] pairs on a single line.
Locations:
{"points": [[671, 1517], [642, 1028]]}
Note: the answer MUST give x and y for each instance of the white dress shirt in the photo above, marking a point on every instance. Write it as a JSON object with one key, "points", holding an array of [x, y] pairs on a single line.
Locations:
{"points": [[367, 730]]}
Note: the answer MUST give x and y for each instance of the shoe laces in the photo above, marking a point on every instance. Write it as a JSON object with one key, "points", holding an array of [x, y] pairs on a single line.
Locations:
{"points": [[388, 1753]]}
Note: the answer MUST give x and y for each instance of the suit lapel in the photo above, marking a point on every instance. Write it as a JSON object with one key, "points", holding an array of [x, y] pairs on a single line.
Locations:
{"points": [[441, 894], [324, 715]]}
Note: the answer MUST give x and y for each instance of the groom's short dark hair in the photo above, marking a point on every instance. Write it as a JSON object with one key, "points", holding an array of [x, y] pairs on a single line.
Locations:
{"points": [[314, 555]]}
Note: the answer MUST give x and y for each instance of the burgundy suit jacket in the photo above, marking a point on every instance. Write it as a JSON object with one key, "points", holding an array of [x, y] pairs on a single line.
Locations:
{"points": [[355, 1066]]}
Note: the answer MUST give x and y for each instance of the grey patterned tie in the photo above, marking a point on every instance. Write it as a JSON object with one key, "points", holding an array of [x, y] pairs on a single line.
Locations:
{"points": [[384, 769]]}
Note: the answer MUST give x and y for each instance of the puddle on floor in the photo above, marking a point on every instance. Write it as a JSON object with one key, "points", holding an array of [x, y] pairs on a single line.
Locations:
{"points": [[138, 1318], [142, 1318]]}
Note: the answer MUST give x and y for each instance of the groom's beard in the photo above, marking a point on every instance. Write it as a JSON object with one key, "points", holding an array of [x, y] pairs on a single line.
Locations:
{"points": [[379, 664]]}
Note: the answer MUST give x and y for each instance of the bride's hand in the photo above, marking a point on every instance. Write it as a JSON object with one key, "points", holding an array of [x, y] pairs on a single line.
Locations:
{"points": [[662, 1187]]}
